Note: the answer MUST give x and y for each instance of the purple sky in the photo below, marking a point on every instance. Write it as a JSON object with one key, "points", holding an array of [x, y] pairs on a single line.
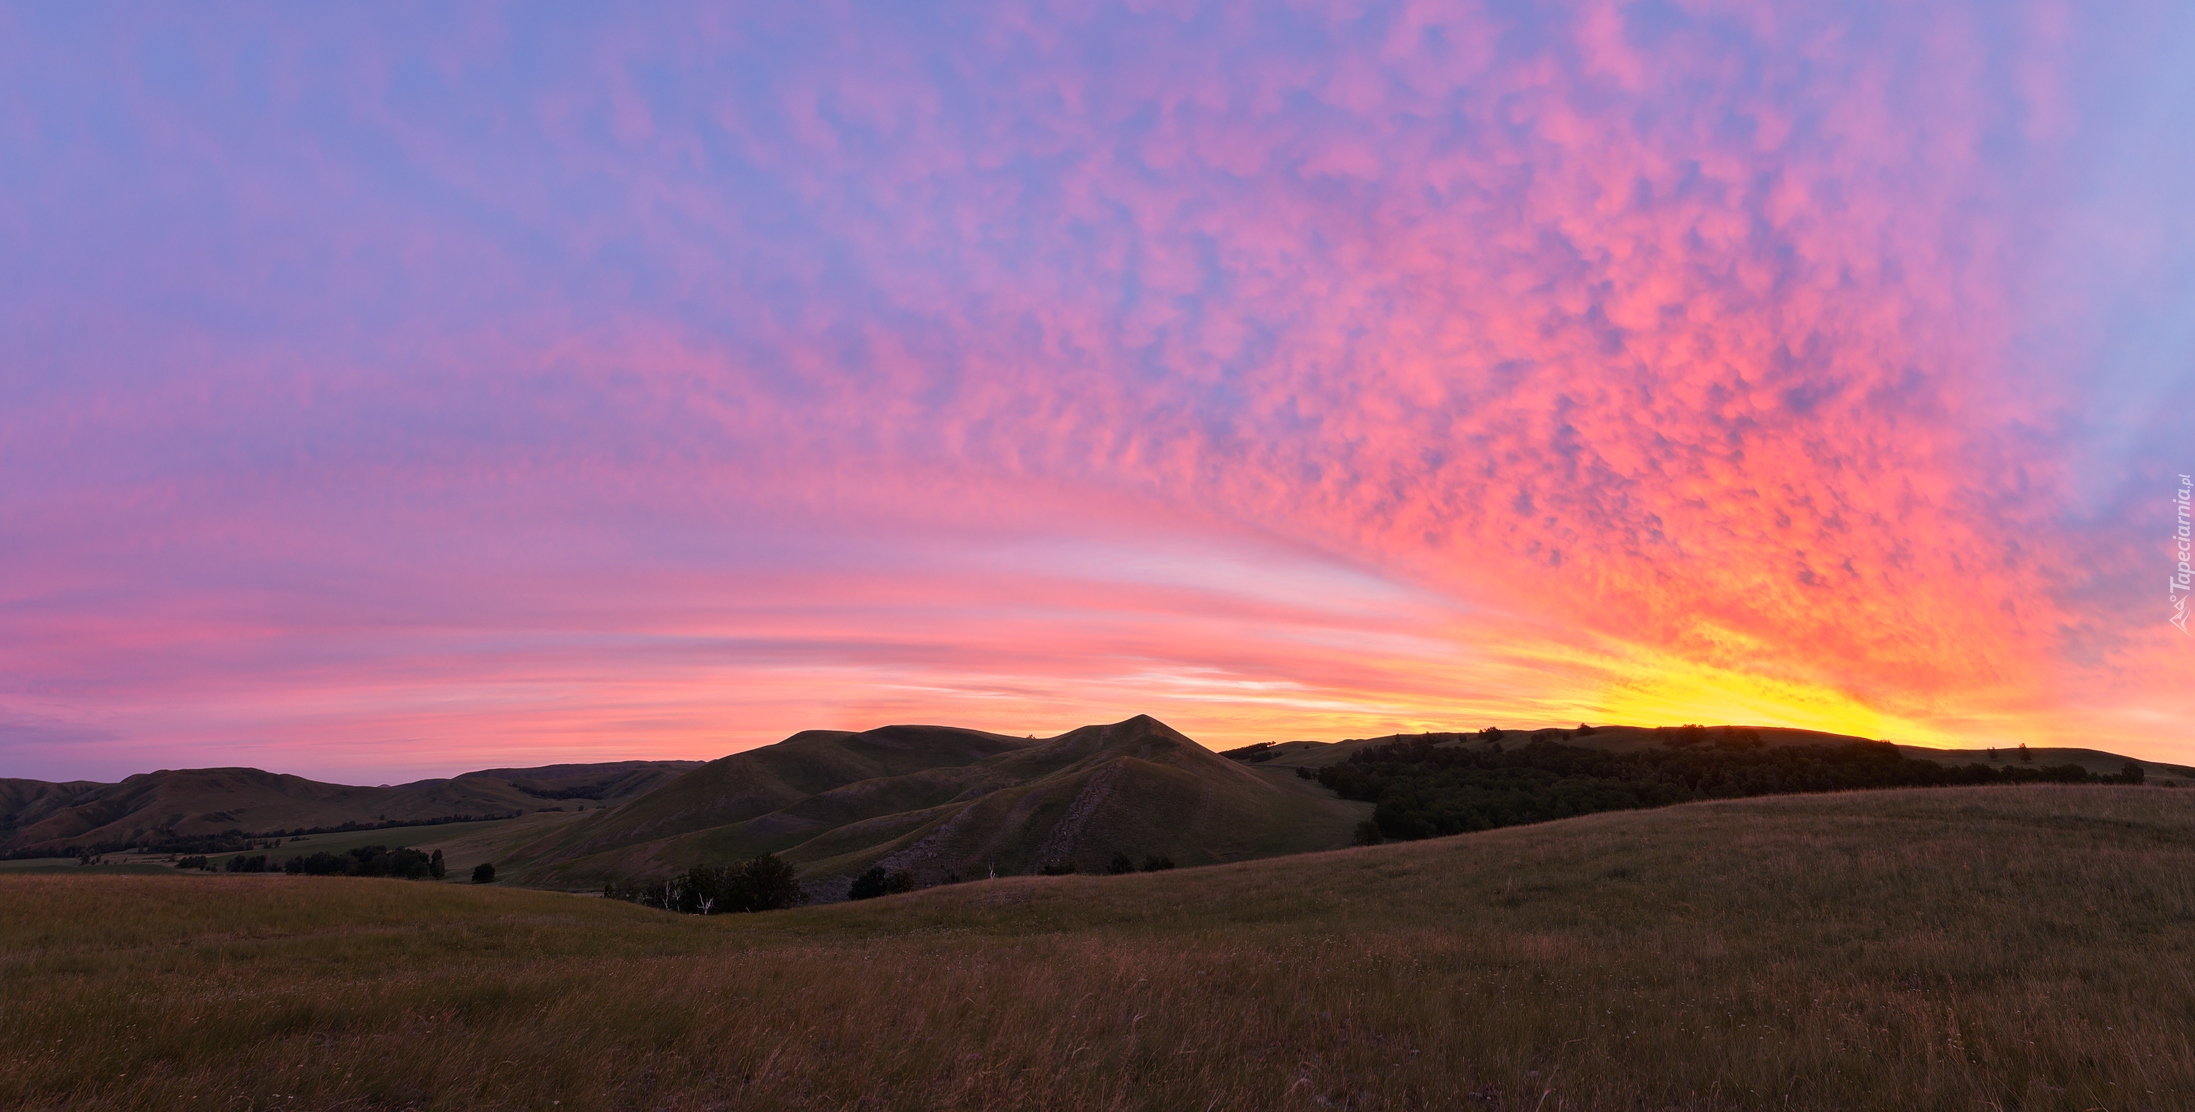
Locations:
{"points": [[385, 392]]}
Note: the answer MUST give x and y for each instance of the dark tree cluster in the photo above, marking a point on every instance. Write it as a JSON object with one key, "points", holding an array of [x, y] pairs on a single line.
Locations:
{"points": [[237, 841], [1122, 864], [1422, 791], [763, 884], [364, 861], [369, 861], [389, 824], [1261, 751], [877, 882]]}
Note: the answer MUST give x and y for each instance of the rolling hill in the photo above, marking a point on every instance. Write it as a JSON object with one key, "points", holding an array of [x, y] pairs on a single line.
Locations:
{"points": [[1626, 739], [942, 803], [1935, 950], [937, 801], [37, 817]]}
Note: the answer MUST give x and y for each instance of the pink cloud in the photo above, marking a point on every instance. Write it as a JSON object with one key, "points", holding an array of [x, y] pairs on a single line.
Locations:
{"points": [[682, 383]]}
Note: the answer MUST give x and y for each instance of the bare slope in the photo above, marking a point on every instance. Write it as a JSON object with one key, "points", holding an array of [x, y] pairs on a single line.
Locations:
{"points": [[41, 817], [941, 802]]}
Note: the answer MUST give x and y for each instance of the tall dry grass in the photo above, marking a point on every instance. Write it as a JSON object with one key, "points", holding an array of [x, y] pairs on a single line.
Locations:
{"points": [[1958, 949]]}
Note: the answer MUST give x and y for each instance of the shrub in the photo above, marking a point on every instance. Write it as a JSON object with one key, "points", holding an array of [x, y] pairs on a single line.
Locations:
{"points": [[1584, 730], [435, 868], [1157, 864], [868, 885], [767, 883], [899, 880], [1303, 772], [1059, 868], [484, 873], [1121, 863], [1368, 833]]}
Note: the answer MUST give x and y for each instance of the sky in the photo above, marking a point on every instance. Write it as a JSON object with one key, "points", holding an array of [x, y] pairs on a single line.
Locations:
{"points": [[393, 390]]}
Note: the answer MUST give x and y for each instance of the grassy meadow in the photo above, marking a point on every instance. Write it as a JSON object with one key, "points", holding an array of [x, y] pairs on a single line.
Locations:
{"points": [[1974, 948]]}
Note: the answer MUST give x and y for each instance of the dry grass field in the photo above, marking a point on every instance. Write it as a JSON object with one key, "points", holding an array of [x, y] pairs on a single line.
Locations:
{"points": [[1989, 948]]}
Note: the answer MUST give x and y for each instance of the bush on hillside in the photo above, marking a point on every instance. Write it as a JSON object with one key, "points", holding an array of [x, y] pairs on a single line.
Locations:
{"points": [[1157, 864], [868, 885], [765, 883], [484, 873], [1368, 833], [1059, 868], [364, 861], [1120, 864]]}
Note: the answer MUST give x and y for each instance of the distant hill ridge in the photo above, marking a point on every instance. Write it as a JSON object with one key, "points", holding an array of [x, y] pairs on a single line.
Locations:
{"points": [[936, 801], [40, 818]]}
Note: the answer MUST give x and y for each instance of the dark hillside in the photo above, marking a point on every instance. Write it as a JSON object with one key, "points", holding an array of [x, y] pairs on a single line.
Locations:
{"points": [[757, 782], [175, 807], [944, 804]]}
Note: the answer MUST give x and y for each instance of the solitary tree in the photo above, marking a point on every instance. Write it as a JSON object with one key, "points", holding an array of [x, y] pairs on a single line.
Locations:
{"points": [[868, 885], [763, 884], [484, 873], [1121, 863], [435, 868]]}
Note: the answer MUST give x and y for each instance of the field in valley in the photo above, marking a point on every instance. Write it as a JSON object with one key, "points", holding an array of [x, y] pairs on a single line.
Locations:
{"points": [[1974, 948]]}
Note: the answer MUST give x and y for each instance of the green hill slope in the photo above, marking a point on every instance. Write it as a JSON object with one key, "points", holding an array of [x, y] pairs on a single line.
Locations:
{"points": [[942, 802]]}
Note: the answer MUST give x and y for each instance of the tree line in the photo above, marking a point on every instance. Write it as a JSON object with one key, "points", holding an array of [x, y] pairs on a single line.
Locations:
{"points": [[237, 841], [363, 861], [765, 883], [1421, 791]]}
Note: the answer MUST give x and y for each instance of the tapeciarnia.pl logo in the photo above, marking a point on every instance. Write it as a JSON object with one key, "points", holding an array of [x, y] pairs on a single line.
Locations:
{"points": [[2183, 543]]}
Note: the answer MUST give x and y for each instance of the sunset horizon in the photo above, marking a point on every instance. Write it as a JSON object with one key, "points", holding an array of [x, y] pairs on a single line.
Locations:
{"points": [[392, 394]]}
